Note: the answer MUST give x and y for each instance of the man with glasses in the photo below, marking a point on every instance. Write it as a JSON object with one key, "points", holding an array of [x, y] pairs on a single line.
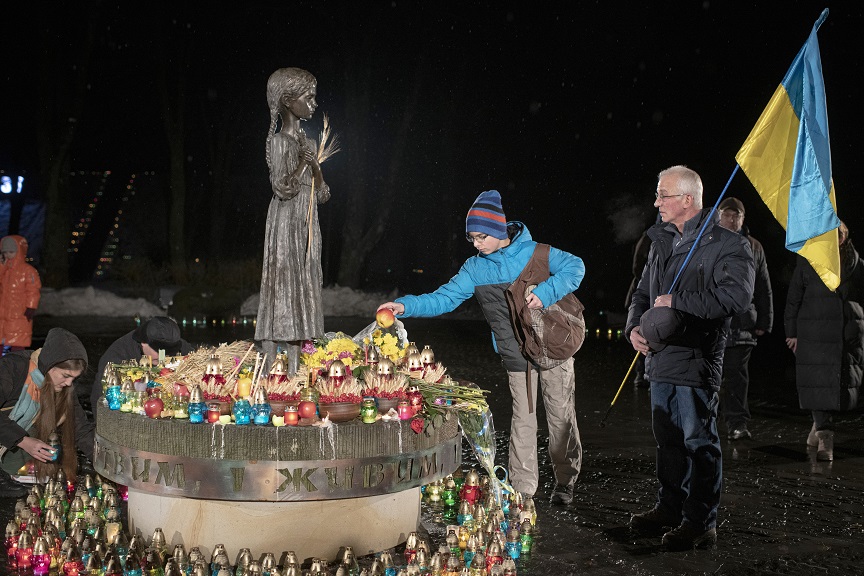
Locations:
{"points": [[679, 318], [504, 249]]}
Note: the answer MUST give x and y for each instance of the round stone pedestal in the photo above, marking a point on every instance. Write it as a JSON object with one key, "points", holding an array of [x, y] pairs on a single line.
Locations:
{"points": [[308, 489], [311, 529]]}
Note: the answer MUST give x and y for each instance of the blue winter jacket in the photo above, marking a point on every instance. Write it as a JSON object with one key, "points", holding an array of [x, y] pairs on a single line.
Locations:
{"points": [[488, 276]]}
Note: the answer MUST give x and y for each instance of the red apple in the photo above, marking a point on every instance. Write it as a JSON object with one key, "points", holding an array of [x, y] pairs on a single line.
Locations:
{"points": [[180, 389], [165, 372], [306, 409], [385, 317], [153, 407]]}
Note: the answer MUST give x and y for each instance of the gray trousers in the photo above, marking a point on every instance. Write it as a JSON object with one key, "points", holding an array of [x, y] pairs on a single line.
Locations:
{"points": [[565, 448]]}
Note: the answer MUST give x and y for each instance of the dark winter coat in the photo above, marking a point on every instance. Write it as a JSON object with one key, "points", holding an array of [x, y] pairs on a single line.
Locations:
{"points": [[829, 326], [716, 284], [640, 256], [14, 368], [488, 276], [760, 314], [122, 350]]}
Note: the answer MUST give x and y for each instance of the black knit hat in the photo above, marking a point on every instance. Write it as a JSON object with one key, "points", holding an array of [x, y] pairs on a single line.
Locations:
{"points": [[661, 325], [60, 345], [160, 333]]}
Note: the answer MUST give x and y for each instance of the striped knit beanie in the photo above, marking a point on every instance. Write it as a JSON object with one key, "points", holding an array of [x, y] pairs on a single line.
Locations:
{"points": [[486, 216]]}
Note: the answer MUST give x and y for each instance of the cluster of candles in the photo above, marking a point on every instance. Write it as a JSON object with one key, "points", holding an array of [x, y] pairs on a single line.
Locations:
{"points": [[252, 405], [61, 528], [488, 535]]}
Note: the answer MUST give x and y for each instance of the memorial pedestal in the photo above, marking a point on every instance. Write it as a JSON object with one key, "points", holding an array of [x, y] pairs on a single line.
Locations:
{"points": [[307, 489]]}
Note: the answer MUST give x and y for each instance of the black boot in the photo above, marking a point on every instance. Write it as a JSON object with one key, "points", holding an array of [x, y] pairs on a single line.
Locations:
{"points": [[10, 488]]}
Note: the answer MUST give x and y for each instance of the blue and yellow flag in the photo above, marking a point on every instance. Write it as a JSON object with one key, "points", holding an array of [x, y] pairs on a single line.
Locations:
{"points": [[787, 157]]}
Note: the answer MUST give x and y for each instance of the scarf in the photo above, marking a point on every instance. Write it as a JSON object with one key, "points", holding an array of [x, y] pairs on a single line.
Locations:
{"points": [[27, 406]]}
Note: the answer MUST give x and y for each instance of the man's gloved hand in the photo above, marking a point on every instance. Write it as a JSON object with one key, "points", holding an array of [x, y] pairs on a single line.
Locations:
{"points": [[29, 313]]}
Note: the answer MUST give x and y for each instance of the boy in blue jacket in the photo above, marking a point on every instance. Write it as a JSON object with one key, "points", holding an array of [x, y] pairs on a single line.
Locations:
{"points": [[504, 249]]}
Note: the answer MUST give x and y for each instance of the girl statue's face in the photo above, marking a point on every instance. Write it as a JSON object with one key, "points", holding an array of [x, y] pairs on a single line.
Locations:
{"points": [[304, 106]]}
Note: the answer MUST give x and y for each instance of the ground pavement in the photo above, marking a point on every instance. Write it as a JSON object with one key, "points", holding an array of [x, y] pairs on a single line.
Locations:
{"points": [[782, 512]]}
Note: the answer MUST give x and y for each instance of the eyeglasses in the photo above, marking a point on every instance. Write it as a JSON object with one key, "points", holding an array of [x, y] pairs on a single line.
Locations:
{"points": [[478, 238], [663, 197]]}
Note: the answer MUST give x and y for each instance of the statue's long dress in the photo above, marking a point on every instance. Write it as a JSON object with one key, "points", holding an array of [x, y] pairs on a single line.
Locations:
{"points": [[290, 306]]}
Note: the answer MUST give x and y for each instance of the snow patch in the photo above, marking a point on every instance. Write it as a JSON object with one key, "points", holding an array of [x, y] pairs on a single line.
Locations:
{"points": [[91, 302]]}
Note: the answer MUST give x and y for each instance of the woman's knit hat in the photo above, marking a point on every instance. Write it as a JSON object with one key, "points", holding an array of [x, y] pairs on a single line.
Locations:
{"points": [[60, 345], [486, 216]]}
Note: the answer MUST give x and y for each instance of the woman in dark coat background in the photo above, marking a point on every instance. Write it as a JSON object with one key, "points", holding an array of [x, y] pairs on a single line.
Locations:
{"points": [[825, 330]]}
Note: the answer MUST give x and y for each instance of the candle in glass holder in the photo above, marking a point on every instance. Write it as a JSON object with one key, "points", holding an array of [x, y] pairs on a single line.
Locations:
{"points": [[405, 411], [114, 397], [242, 412], [415, 399], [292, 416], [197, 412], [368, 411], [181, 406], [213, 412], [24, 551]]}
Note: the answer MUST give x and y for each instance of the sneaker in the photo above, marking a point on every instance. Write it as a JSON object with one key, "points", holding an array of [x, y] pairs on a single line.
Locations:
{"points": [[687, 537], [562, 494], [739, 433], [655, 521]]}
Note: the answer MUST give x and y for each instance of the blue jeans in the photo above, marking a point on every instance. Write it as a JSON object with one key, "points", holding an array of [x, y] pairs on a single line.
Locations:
{"points": [[689, 460]]}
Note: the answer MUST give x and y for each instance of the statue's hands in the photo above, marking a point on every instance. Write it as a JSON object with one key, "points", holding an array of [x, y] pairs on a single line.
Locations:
{"points": [[312, 159], [304, 157]]}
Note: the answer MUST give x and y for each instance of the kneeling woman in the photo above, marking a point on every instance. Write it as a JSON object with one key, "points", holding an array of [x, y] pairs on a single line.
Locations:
{"points": [[37, 398]]}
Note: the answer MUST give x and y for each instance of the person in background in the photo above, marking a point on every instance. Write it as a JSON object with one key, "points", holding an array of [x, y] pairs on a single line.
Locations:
{"points": [[756, 321], [682, 331], [825, 330], [505, 248], [37, 399], [157, 333], [640, 256], [20, 290]]}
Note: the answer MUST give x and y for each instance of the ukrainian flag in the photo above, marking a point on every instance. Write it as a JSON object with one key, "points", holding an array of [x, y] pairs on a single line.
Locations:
{"points": [[787, 157]]}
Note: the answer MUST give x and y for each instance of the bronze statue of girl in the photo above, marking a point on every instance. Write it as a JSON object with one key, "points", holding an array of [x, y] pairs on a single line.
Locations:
{"points": [[290, 309]]}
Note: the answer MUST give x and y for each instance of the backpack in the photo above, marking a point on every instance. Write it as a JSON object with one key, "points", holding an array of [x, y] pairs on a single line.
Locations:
{"points": [[547, 336]]}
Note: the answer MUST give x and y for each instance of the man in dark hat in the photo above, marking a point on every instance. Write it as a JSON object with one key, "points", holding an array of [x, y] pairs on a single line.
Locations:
{"points": [[158, 333], [746, 327], [682, 331]]}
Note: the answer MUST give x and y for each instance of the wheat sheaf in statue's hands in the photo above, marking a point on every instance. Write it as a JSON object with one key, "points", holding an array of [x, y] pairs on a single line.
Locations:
{"points": [[326, 148]]}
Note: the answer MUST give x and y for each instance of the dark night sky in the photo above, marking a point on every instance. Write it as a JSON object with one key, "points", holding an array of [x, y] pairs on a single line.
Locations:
{"points": [[569, 112]]}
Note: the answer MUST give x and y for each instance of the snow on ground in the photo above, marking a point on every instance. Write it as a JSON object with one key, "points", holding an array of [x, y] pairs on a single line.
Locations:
{"points": [[338, 301], [92, 302]]}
